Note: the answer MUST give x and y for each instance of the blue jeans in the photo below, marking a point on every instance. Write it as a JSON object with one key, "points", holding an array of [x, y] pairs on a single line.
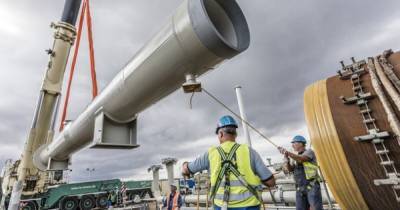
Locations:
{"points": [[309, 198], [239, 208]]}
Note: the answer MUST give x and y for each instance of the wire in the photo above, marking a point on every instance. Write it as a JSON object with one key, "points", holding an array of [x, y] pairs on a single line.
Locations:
{"points": [[238, 116], [246, 122], [190, 101]]}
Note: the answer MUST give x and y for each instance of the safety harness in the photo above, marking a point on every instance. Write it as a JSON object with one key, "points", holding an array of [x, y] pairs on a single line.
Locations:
{"points": [[311, 173], [228, 165]]}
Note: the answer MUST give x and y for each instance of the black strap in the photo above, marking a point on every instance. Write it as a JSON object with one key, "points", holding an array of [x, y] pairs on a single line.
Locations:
{"points": [[244, 183], [227, 167], [226, 162]]}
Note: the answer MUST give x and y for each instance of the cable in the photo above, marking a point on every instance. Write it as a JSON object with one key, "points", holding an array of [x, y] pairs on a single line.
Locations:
{"points": [[238, 116], [190, 101], [71, 73], [246, 122], [91, 50], [85, 11]]}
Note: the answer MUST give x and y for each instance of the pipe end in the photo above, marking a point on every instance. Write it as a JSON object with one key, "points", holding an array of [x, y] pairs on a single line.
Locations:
{"points": [[220, 25]]}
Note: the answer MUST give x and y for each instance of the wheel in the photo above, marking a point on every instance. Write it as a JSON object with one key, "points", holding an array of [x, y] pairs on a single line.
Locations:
{"points": [[101, 201], [69, 203], [29, 205], [129, 196], [136, 199], [87, 202]]}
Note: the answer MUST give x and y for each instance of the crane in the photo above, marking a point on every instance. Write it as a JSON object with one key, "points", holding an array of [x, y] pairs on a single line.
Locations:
{"points": [[199, 36]]}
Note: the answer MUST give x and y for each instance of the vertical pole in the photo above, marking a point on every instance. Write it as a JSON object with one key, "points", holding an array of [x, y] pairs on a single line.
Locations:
{"points": [[330, 206], [170, 170], [243, 115], [156, 179], [169, 165]]}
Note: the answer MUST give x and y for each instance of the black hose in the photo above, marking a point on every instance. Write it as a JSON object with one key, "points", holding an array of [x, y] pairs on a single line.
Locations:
{"points": [[71, 11]]}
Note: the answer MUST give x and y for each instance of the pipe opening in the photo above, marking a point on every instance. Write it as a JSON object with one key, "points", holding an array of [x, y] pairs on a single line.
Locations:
{"points": [[221, 21], [220, 25]]}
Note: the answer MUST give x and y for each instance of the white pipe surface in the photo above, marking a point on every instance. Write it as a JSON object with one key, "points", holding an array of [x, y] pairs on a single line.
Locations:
{"points": [[246, 132], [279, 196], [199, 36]]}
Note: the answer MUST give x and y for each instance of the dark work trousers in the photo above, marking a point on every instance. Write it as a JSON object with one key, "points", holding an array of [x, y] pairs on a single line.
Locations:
{"points": [[309, 198]]}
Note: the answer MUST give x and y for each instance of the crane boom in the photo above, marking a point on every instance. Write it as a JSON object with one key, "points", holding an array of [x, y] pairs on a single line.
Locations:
{"points": [[30, 179]]}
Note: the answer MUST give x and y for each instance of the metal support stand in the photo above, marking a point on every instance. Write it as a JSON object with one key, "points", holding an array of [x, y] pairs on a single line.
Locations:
{"points": [[156, 179], [169, 164]]}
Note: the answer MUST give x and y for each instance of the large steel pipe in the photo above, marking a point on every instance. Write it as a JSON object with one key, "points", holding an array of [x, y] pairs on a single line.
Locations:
{"points": [[280, 197], [200, 35]]}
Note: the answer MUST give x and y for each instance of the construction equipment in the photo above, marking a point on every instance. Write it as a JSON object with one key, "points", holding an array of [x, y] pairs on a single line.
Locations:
{"points": [[86, 195], [29, 178], [199, 36]]}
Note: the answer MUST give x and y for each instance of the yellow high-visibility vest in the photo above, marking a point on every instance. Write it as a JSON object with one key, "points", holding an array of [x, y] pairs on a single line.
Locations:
{"points": [[311, 171], [239, 195]]}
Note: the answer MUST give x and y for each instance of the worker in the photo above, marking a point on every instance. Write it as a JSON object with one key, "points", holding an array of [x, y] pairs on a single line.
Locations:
{"points": [[305, 169], [111, 199], [236, 171], [173, 201]]}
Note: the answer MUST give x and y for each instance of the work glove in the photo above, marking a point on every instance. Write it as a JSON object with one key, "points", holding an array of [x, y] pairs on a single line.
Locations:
{"points": [[283, 151]]}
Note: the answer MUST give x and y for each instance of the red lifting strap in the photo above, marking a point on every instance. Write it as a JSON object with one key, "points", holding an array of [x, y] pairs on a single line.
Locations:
{"points": [[85, 11], [91, 50]]}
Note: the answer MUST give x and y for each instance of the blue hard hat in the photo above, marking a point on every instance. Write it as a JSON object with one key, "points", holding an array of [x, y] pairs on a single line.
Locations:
{"points": [[226, 121], [299, 138]]}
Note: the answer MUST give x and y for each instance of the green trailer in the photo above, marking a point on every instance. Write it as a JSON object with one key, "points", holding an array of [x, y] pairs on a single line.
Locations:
{"points": [[87, 195]]}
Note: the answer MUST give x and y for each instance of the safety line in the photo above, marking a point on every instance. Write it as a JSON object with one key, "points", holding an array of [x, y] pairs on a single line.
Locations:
{"points": [[238, 116]]}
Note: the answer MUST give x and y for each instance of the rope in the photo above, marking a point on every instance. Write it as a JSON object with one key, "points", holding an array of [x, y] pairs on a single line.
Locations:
{"points": [[71, 72], [191, 101], [387, 68], [198, 192], [208, 188], [85, 10], [91, 51], [238, 116], [246, 122], [392, 118], [393, 94]]}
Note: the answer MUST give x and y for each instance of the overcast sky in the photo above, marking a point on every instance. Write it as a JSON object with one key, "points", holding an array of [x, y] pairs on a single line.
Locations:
{"points": [[293, 44]]}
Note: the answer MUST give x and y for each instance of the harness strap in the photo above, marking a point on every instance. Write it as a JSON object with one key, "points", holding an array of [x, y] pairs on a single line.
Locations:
{"points": [[228, 166], [244, 183], [225, 165], [228, 161]]}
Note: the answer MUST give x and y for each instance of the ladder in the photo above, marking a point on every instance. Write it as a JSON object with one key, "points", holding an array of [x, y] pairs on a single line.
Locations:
{"points": [[375, 136]]}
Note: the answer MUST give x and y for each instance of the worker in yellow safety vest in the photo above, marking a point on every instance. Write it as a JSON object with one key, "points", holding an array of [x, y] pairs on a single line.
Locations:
{"points": [[305, 169], [236, 171], [173, 201]]}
